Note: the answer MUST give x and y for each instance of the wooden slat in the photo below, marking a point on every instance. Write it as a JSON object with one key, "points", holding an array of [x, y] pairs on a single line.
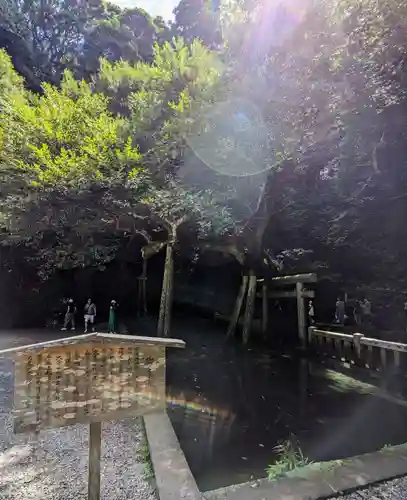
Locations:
{"points": [[95, 442], [385, 344], [295, 278], [333, 335], [307, 294], [134, 339], [67, 340]]}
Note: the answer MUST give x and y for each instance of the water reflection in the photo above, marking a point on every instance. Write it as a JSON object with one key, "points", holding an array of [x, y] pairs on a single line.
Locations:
{"points": [[230, 407]]}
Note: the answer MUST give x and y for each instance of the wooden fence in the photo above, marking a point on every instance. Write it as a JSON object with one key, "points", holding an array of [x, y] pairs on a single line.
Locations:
{"points": [[358, 350]]}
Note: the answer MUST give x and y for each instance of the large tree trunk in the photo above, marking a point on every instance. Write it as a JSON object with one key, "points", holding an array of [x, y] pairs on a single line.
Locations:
{"points": [[164, 319], [250, 303], [238, 307]]}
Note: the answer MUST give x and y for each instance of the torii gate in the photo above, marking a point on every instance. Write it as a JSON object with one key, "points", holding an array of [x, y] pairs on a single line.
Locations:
{"points": [[300, 293]]}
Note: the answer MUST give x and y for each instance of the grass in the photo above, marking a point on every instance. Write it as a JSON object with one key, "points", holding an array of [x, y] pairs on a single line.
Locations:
{"points": [[148, 472], [291, 462], [290, 458], [144, 454]]}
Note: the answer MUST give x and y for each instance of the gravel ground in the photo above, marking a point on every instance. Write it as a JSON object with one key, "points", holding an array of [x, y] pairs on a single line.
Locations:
{"points": [[389, 490], [55, 466]]}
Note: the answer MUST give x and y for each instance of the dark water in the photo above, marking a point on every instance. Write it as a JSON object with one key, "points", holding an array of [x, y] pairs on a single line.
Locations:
{"points": [[230, 407]]}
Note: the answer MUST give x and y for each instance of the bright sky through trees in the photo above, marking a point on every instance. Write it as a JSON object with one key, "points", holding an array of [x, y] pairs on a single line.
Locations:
{"points": [[162, 8]]}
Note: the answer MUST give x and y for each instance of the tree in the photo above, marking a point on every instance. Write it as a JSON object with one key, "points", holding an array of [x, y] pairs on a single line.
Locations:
{"points": [[75, 34], [197, 20], [127, 35]]}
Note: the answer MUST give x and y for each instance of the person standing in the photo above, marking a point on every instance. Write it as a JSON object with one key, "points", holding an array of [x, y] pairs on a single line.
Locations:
{"points": [[311, 313], [113, 316], [366, 307], [357, 312], [340, 311], [89, 314], [70, 315]]}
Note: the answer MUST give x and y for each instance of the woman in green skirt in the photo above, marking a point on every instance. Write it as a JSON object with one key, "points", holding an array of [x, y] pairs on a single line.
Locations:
{"points": [[113, 317]]}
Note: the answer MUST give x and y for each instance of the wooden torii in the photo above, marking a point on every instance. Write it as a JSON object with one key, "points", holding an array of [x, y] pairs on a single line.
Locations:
{"points": [[299, 292]]}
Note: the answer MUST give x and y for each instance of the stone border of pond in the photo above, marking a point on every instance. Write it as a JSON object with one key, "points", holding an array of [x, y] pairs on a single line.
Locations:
{"points": [[324, 479], [173, 476]]}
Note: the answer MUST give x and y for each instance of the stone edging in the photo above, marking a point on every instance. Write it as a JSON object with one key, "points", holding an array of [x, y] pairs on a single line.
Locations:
{"points": [[173, 476], [322, 480]]}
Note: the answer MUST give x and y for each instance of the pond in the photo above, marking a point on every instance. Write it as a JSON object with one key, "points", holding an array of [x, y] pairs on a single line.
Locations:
{"points": [[230, 406]]}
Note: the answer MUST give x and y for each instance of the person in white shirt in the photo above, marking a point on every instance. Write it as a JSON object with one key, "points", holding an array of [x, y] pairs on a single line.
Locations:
{"points": [[366, 307], [89, 314]]}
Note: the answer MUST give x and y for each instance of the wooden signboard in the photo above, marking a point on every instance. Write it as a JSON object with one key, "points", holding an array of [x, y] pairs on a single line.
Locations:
{"points": [[89, 379], [71, 384]]}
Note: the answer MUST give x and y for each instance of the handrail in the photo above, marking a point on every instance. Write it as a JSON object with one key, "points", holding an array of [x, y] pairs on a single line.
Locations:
{"points": [[358, 338]]}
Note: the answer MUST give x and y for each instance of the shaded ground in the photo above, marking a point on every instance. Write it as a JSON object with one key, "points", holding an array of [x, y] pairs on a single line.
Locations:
{"points": [[54, 466]]}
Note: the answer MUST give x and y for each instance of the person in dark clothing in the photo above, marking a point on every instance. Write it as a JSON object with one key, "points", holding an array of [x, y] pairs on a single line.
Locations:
{"points": [[113, 316], [357, 312], [70, 315]]}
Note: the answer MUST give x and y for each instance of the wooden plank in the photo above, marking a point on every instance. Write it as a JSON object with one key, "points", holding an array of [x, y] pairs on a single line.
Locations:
{"points": [[78, 339], [95, 445], [50, 343], [265, 310], [397, 359], [308, 294], [301, 314], [250, 303], [356, 340], [134, 339], [385, 344], [333, 335], [295, 278], [234, 319], [383, 359]]}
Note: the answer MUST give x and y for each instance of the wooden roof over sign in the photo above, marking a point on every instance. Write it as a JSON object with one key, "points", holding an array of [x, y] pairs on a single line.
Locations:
{"points": [[98, 337]]}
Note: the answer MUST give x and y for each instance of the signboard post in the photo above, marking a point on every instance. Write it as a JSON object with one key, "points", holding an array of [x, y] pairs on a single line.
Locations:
{"points": [[89, 379]]}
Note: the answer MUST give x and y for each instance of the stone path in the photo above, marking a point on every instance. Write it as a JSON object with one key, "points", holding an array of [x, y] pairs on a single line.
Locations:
{"points": [[389, 490]]}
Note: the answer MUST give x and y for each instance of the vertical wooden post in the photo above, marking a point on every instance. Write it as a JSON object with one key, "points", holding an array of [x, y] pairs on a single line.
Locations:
{"points": [[250, 303], [301, 315], [166, 293], [238, 306], [383, 359], [310, 334], [265, 310], [144, 287], [397, 360], [357, 337], [95, 442]]}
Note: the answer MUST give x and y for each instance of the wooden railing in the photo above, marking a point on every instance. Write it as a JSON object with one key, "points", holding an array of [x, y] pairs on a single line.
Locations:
{"points": [[356, 349]]}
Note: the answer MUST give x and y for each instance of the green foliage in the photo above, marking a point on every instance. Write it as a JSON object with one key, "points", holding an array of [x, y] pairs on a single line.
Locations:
{"points": [[195, 20], [68, 137], [290, 457], [329, 86]]}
